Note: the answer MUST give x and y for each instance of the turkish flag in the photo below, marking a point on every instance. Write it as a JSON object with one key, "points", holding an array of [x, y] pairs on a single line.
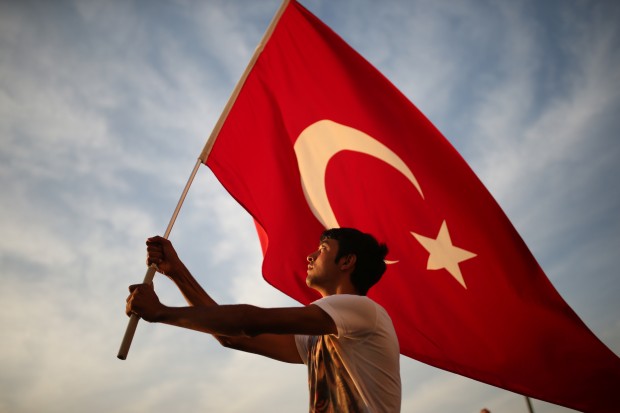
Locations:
{"points": [[318, 138]]}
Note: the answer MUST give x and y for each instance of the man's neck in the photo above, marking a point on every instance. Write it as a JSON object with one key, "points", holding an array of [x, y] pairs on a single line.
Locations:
{"points": [[340, 289]]}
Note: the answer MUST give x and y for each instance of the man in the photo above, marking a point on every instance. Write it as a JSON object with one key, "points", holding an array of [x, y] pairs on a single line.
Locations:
{"points": [[346, 339]]}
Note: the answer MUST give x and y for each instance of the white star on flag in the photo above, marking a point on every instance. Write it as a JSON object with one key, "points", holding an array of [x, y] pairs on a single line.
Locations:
{"points": [[443, 254]]}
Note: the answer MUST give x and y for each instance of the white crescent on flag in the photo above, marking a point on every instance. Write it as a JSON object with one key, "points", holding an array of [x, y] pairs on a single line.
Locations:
{"points": [[318, 143]]}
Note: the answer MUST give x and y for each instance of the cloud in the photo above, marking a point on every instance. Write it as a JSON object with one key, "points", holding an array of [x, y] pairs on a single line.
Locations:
{"points": [[106, 105]]}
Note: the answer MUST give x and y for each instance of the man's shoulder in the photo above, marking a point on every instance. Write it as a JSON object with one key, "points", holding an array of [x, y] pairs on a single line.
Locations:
{"points": [[346, 298], [352, 310], [361, 302]]}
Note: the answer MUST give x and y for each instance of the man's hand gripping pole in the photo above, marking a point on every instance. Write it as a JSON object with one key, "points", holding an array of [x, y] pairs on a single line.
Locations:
{"points": [[133, 319]]}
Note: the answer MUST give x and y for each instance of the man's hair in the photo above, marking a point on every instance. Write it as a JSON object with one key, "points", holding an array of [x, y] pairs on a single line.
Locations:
{"points": [[369, 253]]}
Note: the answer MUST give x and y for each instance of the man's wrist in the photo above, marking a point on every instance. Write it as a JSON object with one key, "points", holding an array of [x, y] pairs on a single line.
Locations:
{"points": [[162, 314], [176, 272]]}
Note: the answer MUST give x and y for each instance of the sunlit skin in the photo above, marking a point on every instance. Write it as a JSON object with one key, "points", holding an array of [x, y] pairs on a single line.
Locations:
{"points": [[266, 331]]}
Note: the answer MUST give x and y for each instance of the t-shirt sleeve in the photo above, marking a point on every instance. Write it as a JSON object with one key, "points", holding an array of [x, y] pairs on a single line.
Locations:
{"points": [[302, 347], [353, 315]]}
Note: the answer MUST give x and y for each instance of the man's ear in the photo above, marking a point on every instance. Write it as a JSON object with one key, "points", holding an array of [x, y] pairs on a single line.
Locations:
{"points": [[348, 262]]}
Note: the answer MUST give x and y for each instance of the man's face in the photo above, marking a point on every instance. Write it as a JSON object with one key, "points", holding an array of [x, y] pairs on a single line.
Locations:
{"points": [[322, 266]]}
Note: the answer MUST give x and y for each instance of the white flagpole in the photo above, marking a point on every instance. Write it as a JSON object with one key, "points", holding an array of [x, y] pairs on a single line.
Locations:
{"points": [[150, 272], [530, 409]]}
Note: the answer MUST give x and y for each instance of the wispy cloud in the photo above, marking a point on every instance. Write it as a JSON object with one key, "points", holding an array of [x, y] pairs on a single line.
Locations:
{"points": [[106, 105]]}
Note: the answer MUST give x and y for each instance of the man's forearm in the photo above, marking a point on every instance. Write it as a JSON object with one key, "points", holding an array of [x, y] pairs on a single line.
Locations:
{"points": [[193, 293], [228, 320], [234, 327]]}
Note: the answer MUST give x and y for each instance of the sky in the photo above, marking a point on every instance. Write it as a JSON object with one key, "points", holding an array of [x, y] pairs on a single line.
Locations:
{"points": [[105, 106]]}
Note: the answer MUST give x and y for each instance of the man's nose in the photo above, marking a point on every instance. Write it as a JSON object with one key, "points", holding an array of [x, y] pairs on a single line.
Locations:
{"points": [[311, 257]]}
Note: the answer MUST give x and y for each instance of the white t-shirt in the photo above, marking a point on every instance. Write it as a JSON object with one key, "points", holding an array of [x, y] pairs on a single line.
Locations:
{"points": [[358, 369]]}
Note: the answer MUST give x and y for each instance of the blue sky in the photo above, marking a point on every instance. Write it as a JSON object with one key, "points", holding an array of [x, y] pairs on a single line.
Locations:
{"points": [[105, 106]]}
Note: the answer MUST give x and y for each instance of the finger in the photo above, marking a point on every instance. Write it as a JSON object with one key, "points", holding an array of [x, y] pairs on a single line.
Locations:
{"points": [[155, 251], [129, 306], [129, 311], [153, 261], [160, 242], [152, 246], [155, 240], [133, 289], [155, 254]]}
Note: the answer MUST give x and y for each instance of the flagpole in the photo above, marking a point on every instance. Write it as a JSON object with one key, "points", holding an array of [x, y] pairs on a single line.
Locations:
{"points": [[529, 404], [235, 93], [150, 272]]}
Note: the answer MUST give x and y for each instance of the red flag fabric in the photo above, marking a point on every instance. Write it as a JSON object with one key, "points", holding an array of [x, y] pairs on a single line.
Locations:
{"points": [[319, 138]]}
